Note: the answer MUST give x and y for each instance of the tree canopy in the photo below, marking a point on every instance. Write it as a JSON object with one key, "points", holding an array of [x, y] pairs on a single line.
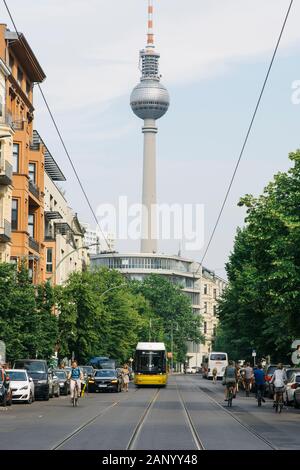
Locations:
{"points": [[261, 306]]}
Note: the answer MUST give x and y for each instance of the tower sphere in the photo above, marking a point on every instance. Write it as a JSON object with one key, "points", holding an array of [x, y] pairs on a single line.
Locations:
{"points": [[150, 99]]}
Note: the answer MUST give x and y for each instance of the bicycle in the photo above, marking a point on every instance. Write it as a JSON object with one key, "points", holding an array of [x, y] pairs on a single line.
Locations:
{"points": [[278, 404], [75, 394], [230, 395]]}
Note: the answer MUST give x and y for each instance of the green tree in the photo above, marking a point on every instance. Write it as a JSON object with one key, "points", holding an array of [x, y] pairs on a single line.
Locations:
{"points": [[261, 307], [173, 308]]}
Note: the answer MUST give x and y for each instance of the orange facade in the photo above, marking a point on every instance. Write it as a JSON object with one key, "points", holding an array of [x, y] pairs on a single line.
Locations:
{"points": [[28, 159]]}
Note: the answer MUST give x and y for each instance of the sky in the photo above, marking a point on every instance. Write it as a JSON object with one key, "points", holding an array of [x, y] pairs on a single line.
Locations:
{"points": [[214, 57]]}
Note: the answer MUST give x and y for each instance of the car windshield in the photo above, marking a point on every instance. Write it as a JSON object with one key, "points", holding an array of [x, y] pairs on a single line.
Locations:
{"points": [[88, 369], [31, 366], [105, 373], [17, 376], [60, 374], [290, 372]]}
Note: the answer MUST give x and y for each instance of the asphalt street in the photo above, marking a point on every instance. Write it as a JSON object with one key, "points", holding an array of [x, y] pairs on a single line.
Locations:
{"points": [[189, 414]]}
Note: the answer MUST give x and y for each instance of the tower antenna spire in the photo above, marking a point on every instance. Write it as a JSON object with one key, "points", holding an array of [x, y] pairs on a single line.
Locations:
{"points": [[150, 34]]}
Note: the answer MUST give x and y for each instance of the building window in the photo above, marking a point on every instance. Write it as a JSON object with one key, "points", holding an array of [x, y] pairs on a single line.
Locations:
{"points": [[11, 61], [205, 327], [205, 289], [31, 225], [16, 154], [1, 106], [49, 260], [20, 76], [32, 172], [205, 307], [215, 310], [28, 87], [215, 331], [215, 294], [14, 214]]}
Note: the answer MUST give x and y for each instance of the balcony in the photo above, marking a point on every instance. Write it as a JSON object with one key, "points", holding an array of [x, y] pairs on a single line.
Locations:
{"points": [[6, 173], [34, 245], [5, 231], [34, 189]]}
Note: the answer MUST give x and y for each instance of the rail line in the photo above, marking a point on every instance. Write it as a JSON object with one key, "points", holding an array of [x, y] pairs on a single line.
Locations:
{"points": [[199, 444], [244, 425], [88, 423], [137, 430]]}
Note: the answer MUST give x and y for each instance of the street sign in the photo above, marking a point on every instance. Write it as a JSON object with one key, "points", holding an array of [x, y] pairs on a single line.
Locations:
{"points": [[253, 353]]}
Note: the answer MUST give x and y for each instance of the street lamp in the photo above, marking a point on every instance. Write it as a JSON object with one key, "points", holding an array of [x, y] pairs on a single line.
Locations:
{"points": [[67, 255], [111, 288], [172, 343]]}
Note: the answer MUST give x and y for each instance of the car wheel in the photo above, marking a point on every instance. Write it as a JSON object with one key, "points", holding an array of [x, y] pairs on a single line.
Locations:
{"points": [[9, 402], [296, 405], [46, 397], [29, 401], [4, 402]]}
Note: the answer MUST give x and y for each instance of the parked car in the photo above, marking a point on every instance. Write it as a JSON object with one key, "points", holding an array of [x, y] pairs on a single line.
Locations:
{"points": [[64, 383], [54, 387], [5, 389], [22, 386], [292, 385], [297, 398], [291, 371], [107, 379], [37, 369]]}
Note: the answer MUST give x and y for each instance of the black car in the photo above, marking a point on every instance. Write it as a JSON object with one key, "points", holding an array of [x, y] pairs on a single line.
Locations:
{"points": [[5, 392], [37, 369], [64, 383], [107, 379]]}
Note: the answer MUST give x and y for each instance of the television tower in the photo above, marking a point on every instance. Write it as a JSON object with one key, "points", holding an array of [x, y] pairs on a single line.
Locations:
{"points": [[149, 101]]}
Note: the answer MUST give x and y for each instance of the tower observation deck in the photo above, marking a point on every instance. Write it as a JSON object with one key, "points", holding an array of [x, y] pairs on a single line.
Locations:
{"points": [[149, 101]]}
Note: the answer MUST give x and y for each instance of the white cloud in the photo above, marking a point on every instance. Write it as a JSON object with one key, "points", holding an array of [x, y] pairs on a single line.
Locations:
{"points": [[89, 49]]}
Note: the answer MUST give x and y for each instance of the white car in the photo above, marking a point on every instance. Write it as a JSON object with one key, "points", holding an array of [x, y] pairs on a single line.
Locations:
{"points": [[21, 385], [191, 370], [291, 387]]}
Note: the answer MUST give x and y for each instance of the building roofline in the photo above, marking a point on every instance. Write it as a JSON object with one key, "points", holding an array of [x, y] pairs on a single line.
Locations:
{"points": [[23, 51]]}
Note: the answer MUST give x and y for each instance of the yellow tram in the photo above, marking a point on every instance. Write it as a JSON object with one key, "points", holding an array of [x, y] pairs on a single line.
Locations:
{"points": [[150, 364]]}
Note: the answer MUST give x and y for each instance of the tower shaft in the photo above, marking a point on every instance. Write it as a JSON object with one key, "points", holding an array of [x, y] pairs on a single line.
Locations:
{"points": [[149, 213]]}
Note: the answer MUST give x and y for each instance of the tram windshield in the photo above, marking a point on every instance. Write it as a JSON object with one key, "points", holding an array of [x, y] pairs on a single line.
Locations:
{"points": [[151, 362]]}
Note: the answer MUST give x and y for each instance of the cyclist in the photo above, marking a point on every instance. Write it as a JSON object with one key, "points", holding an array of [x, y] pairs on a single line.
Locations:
{"points": [[248, 378], [230, 378], [259, 377], [279, 380], [75, 376]]}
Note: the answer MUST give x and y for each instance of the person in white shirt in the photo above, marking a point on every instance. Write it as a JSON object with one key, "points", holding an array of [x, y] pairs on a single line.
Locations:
{"points": [[279, 380]]}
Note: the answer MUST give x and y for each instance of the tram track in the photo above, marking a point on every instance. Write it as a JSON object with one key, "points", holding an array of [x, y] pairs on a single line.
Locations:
{"points": [[198, 442], [245, 426], [134, 437], [81, 428]]}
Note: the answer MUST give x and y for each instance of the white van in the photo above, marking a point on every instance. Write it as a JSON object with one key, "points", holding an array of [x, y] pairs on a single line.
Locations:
{"points": [[218, 360]]}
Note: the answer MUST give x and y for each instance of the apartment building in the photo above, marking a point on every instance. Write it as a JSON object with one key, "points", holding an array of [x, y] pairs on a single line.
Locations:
{"points": [[6, 169], [27, 204], [65, 250], [98, 242]]}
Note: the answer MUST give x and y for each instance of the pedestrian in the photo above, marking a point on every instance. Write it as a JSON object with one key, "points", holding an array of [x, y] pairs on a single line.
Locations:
{"points": [[214, 374], [125, 377]]}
